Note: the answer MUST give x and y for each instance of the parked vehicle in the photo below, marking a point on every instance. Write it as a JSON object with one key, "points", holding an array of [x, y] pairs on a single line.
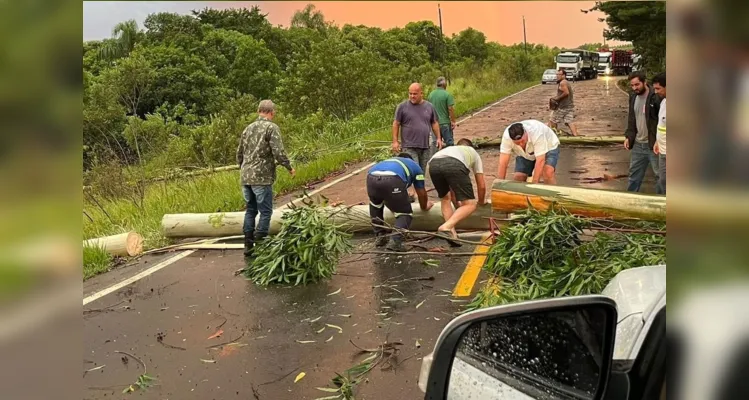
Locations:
{"points": [[578, 64], [604, 63], [550, 76], [621, 62], [569, 347]]}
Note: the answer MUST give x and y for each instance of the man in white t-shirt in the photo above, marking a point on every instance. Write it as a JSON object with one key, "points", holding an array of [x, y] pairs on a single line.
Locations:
{"points": [[659, 148], [449, 170], [537, 149]]}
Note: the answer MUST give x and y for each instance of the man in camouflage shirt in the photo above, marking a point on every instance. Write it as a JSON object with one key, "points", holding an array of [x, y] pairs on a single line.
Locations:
{"points": [[260, 149]]}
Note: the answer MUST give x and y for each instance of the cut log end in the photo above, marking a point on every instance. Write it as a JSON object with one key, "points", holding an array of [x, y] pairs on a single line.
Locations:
{"points": [[126, 244]]}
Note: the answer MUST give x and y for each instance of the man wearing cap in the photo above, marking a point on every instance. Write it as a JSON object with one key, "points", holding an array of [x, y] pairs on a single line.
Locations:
{"points": [[450, 170], [387, 185], [537, 149]]}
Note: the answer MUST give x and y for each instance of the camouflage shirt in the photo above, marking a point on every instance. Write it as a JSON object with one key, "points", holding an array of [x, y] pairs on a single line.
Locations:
{"points": [[260, 149]]}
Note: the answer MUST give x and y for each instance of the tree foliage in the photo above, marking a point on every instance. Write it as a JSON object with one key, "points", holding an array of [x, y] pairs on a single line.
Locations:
{"points": [[472, 44], [643, 23]]}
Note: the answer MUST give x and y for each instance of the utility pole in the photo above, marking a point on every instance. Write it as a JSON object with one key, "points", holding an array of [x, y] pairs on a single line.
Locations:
{"points": [[525, 41], [439, 10]]}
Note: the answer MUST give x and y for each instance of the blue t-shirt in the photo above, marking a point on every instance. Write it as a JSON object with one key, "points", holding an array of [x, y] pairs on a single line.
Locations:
{"points": [[411, 174]]}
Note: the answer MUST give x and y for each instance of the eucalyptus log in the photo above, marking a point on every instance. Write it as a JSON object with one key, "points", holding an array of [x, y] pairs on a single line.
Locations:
{"points": [[351, 218], [124, 244], [512, 196], [571, 140]]}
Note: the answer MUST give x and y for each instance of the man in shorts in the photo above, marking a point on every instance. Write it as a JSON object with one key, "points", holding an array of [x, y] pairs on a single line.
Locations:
{"points": [[415, 119], [565, 104], [387, 185], [450, 170], [537, 149]]}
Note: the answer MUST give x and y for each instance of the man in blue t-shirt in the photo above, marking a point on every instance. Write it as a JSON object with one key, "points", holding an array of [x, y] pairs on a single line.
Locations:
{"points": [[387, 185]]}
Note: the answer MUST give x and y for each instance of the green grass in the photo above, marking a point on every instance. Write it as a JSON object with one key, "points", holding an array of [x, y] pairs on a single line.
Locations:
{"points": [[95, 261], [221, 192]]}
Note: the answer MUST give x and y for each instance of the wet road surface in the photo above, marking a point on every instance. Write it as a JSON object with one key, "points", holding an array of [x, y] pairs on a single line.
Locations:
{"points": [[186, 303]]}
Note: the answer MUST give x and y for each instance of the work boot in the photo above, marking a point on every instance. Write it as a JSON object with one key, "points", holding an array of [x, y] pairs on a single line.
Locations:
{"points": [[396, 245], [381, 240], [249, 246]]}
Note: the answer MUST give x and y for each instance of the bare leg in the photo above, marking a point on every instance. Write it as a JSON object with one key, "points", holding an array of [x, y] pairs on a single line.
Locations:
{"points": [[549, 175], [520, 177], [467, 208], [447, 208], [453, 200], [573, 128]]}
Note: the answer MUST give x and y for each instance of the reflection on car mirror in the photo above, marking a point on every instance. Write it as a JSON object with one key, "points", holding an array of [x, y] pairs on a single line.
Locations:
{"points": [[547, 349]]}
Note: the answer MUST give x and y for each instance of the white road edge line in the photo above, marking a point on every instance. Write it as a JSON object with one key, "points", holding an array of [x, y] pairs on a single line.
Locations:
{"points": [[186, 253]]}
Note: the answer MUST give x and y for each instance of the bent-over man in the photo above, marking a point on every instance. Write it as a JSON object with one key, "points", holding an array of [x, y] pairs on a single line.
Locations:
{"points": [[450, 170], [536, 147], [260, 149], [387, 186]]}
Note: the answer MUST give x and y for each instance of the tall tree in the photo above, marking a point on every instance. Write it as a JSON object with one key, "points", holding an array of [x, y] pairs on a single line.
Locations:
{"points": [[250, 22], [309, 17], [124, 36], [427, 34], [471, 43], [641, 22]]}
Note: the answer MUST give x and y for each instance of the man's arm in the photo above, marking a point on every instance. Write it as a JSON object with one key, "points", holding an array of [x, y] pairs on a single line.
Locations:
{"points": [[504, 161], [631, 131], [565, 91], [538, 169], [424, 202], [240, 150], [481, 188], [437, 133], [396, 129], [276, 146], [451, 110]]}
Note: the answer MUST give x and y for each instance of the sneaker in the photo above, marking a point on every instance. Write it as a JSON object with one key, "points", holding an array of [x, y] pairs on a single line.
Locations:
{"points": [[381, 240], [396, 246]]}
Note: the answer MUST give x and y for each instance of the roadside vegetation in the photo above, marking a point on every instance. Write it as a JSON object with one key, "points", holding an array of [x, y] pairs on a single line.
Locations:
{"points": [[174, 97]]}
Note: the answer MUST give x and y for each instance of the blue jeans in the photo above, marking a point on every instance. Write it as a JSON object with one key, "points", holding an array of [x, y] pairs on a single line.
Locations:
{"points": [[526, 166], [642, 155], [660, 187], [259, 199]]}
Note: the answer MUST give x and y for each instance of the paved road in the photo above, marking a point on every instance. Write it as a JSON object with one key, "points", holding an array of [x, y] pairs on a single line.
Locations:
{"points": [[186, 302]]}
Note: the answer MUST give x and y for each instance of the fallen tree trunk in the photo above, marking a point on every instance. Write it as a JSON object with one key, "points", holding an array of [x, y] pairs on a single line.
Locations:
{"points": [[352, 218], [511, 196], [570, 140], [124, 244]]}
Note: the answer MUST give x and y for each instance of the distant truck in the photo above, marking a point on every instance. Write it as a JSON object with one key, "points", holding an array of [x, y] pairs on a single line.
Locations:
{"points": [[615, 62], [578, 64]]}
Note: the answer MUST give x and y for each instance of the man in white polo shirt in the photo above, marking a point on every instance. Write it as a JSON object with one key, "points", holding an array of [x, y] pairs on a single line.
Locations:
{"points": [[537, 149], [450, 170]]}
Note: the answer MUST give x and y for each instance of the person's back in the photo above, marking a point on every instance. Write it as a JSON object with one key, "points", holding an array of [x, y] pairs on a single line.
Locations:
{"points": [[258, 162], [405, 168], [465, 154], [441, 99]]}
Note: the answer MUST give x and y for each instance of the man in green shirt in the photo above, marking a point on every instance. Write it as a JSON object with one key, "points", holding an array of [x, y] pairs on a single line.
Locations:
{"points": [[444, 104]]}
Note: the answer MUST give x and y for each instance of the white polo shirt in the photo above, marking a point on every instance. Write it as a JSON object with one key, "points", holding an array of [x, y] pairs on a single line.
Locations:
{"points": [[541, 140]]}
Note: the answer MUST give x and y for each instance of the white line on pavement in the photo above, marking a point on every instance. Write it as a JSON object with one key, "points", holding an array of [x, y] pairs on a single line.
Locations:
{"points": [[186, 253]]}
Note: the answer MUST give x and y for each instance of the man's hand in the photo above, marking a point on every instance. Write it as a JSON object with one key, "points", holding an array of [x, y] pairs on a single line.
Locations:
{"points": [[453, 125], [626, 143], [656, 149], [396, 147], [439, 144], [429, 206], [293, 172]]}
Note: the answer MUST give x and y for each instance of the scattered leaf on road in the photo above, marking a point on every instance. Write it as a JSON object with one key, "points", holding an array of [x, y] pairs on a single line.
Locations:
{"points": [[217, 334], [422, 302], [431, 263], [345, 315], [299, 377], [351, 297], [316, 319], [340, 330], [436, 319], [336, 292], [321, 329], [418, 344], [305, 341], [208, 361], [329, 339]]}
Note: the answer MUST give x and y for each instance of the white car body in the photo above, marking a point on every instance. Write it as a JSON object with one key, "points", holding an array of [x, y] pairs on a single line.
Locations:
{"points": [[550, 75], [638, 293]]}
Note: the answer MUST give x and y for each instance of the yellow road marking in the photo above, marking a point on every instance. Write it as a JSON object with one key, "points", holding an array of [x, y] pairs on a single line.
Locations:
{"points": [[464, 287]]}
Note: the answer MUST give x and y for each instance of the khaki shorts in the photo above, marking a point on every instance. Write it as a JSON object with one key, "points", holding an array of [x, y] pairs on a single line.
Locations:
{"points": [[563, 115]]}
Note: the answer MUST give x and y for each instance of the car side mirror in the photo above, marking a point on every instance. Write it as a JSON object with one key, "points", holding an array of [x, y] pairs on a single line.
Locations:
{"points": [[547, 349]]}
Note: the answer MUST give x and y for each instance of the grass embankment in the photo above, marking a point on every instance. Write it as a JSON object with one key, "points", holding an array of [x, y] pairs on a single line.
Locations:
{"points": [[220, 191]]}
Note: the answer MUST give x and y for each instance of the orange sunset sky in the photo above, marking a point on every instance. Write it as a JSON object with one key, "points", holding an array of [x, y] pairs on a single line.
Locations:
{"points": [[555, 23]]}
